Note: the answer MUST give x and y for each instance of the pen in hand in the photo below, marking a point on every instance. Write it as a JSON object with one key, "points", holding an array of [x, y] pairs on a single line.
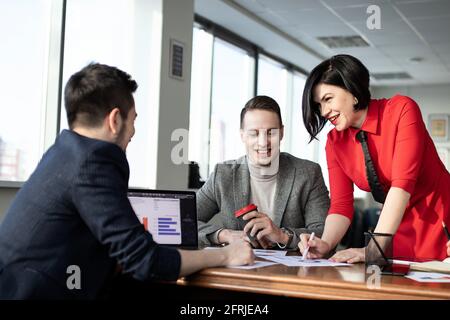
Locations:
{"points": [[307, 248]]}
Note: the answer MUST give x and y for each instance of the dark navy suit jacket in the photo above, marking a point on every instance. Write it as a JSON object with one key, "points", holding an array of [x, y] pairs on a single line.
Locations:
{"points": [[74, 210]]}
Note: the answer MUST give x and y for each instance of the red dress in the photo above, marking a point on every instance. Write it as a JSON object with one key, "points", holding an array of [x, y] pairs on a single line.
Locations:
{"points": [[405, 157]]}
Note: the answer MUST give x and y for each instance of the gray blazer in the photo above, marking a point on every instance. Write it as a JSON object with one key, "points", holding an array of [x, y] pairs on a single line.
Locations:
{"points": [[301, 200]]}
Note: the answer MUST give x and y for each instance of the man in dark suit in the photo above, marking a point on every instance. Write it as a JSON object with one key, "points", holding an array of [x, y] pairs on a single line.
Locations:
{"points": [[71, 225]]}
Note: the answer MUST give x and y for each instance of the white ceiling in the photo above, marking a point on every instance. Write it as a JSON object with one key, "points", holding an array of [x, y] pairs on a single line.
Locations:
{"points": [[289, 29]]}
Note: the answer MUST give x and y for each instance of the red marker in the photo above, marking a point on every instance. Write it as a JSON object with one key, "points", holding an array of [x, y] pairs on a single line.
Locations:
{"points": [[251, 207], [241, 212], [145, 223]]}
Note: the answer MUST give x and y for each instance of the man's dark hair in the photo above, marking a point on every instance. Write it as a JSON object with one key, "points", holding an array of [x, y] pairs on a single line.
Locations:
{"points": [[95, 90], [261, 103], [343, 71]]}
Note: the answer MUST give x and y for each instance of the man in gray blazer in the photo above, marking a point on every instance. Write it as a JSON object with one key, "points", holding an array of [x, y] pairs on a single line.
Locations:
{"points": [[289, 192]]}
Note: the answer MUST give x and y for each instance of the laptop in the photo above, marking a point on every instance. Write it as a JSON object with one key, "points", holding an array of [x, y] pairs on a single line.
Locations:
{"points": [[169, 216]]}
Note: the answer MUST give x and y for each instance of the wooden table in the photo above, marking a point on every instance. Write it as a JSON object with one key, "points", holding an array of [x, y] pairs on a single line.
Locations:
{"points": [[316, 283]]}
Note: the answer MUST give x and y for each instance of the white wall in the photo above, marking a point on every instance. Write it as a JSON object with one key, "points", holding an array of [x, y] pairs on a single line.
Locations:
{"points": [[178, 19], [431, 99]]}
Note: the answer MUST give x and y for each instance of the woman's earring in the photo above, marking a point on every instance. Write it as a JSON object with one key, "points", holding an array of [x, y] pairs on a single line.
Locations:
{"points": [[356, 101]]}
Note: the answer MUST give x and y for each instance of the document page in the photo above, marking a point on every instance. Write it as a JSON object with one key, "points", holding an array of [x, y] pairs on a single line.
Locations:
{"points": [[297, 261]]}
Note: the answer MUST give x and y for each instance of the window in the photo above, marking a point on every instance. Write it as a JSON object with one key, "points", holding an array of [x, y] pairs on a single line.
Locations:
{"points": [[232, 87], [321, 154], [273, 82], [223, 80], [199, 115], [299, 138], [125, 34], [24, 61]]}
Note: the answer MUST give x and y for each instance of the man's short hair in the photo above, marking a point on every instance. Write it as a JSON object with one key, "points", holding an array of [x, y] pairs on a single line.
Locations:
{"points": [[261, 103], [94, 91]]}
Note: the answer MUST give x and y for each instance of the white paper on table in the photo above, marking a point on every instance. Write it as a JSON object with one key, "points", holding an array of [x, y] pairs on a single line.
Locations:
{"points": [[297, 261], [264, 253], [428, 277], [257, 264]]}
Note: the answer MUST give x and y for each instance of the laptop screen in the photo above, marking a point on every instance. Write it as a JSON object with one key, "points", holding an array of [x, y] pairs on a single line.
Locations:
{"points": [[170, 216]]}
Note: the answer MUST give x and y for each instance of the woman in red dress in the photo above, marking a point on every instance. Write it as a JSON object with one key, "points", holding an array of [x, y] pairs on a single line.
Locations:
{"points": [[415, 182]]}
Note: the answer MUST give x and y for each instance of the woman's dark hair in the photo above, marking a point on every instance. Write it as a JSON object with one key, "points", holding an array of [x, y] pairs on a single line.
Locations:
{"points": [[343, 71], [92, 93]]}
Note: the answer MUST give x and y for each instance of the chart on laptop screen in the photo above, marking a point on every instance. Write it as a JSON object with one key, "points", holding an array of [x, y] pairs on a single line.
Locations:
{"points": [[160, 216]]}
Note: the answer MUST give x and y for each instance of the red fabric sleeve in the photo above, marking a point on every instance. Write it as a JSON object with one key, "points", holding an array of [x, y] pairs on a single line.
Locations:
{"points": [[341, 186], [409, 146]]}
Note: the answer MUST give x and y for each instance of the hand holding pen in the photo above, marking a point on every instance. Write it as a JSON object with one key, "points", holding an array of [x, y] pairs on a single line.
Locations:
{"points": [[317, 247], [305, 254]]}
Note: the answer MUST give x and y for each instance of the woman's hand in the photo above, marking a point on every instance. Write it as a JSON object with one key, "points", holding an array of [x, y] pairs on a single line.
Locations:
{"points": [[352, 255], [317, 247], [448, 248]]}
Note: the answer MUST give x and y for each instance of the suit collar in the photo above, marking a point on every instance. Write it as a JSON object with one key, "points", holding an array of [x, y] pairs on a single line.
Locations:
{"points": [[241, 184], [285, 181]]}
